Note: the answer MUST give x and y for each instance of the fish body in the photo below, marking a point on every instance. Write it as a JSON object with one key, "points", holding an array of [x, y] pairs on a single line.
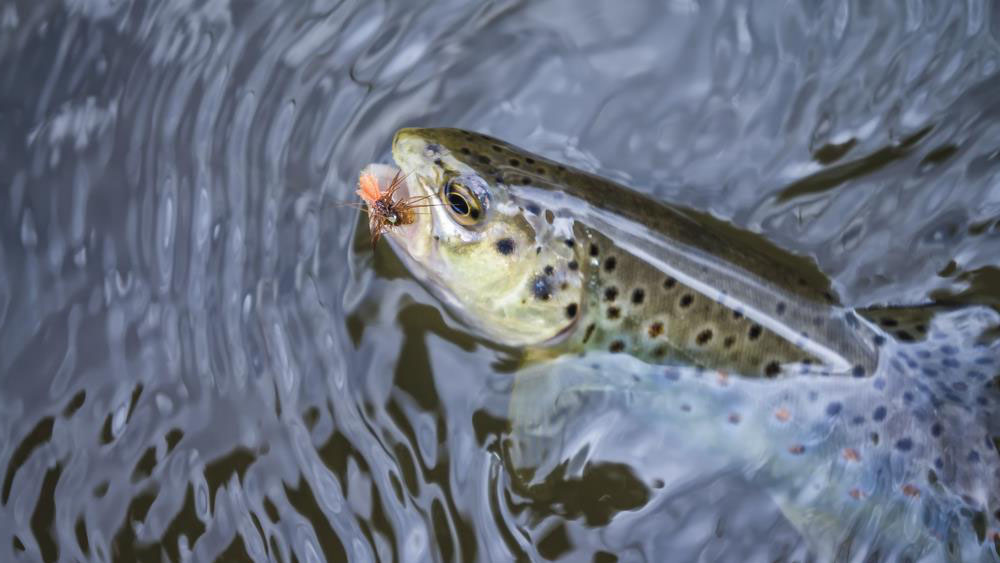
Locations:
{"points": [[614, 269], [731, 345]]}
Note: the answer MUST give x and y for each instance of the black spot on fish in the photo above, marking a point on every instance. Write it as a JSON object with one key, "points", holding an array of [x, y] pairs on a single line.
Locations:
{"points": [[772, 369], [904, 444], [529, 160], [922, 329], [610, 263], [780, 309], [858, 371], [904, 336], [878, 415], [483, 159], [754, 332], [686, 300], [638, 295], [874, 438], [737, 315], [573, 265], [515, 162], [438, 162], [729, 341], [936, 429], [593, 249], [655, 329], [610, 293], [589, 332], [465, 150], [834, 408], [888, 321], [704, 337], [614, 313], [495, 148], [660, 351], [616, 346], [433, 148], [878, 340], [505, 246], [541, 288], [570, 242], [571, 310], [533, 209], [541, 171], [549, 270], [669, 283]]}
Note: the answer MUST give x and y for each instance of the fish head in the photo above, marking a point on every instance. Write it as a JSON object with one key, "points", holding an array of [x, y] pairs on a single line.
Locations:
{"points": [[502, 266]]}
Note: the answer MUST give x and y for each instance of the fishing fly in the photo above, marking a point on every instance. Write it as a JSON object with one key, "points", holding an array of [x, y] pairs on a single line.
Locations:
{"points": [[384, 211]]}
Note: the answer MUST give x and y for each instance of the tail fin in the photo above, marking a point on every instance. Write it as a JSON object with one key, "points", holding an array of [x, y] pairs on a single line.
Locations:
{"points": [[906, 323]]}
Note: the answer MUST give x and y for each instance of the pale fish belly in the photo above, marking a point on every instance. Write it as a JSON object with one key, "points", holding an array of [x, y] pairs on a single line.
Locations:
{"points": [[904, 463]]}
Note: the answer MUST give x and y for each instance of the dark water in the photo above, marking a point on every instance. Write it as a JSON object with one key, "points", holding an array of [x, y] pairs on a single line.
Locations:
{"points": [[199, 356]]}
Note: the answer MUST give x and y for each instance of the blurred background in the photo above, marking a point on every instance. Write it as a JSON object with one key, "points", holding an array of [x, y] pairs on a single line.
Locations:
{"points": [[201, 356]]}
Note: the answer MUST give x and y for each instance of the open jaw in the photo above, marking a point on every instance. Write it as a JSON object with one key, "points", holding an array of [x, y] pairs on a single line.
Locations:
{"points": [[411, 236]]}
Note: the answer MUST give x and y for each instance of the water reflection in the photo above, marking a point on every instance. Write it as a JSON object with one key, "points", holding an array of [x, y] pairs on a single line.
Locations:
{"points": [[199, 355]]}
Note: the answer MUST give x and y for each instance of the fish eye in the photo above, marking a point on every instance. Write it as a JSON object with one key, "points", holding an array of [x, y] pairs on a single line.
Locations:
{"points": [[462, 202], [458, 203]]}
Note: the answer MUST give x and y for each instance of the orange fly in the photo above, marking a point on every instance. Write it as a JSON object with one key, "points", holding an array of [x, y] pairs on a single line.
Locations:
{"points": [[384, 212]]}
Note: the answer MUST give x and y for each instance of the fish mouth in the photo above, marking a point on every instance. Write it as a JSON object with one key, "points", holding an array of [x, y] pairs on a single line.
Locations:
{"points": [[414, 239]]}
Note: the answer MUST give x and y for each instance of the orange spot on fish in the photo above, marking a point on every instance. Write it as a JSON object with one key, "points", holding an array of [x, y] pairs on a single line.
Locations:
{"points": [[734, 418], [911, 491], [796, 449], [782, 414], [855, 493], [851, 454], [722, 378]]}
